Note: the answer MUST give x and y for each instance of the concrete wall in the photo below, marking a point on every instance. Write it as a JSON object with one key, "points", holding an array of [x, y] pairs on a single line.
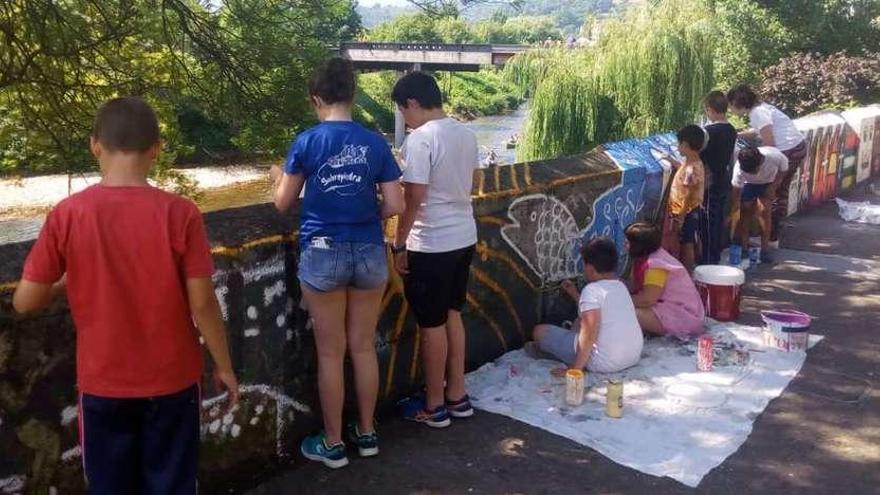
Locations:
{"points": [[532, 218]]}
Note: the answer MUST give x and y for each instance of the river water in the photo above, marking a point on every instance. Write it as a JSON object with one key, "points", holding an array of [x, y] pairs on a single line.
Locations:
{"points": [[24, 203]]}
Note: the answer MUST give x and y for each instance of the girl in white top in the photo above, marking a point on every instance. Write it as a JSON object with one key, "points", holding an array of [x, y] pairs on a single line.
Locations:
{"points": [[777, 130]]}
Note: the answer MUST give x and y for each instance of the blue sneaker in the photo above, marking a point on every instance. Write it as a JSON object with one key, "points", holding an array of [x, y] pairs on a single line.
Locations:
{"points": [[315, 448], [460, 408], [367, 443], [415, 409]]}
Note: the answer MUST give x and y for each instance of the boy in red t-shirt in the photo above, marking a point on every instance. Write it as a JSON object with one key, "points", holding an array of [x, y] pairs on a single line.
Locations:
{"points": [[136, 266]]}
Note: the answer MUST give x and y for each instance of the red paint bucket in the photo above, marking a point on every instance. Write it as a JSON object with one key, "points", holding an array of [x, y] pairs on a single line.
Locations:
{"points": [[719, 287]]}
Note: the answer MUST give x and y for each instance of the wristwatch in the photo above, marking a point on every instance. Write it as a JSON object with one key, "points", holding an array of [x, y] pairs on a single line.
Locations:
{"points": [[397, 249]]}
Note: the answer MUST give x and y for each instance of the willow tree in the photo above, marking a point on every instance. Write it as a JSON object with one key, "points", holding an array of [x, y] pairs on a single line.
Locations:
{"points": [[526, 70], [569, 113], [648, 73], [656, 64]]}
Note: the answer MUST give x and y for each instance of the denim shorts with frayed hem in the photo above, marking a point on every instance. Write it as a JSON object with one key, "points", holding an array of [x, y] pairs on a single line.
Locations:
{"points": [[328, 266]]}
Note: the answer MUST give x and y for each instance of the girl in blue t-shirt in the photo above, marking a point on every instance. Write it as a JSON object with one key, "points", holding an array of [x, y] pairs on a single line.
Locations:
{"points": [[342, 266]]}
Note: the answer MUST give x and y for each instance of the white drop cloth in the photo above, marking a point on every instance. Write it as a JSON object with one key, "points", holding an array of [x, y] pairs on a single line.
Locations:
{"points": [[677, 421], [861, 212]]}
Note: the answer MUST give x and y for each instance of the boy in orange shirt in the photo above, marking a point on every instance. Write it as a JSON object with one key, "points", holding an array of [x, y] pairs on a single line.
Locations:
{"points": [[137, 268], [686, 192]]}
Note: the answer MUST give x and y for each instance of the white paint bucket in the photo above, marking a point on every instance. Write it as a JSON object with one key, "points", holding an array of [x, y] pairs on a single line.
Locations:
{"points": [[787, 330]]}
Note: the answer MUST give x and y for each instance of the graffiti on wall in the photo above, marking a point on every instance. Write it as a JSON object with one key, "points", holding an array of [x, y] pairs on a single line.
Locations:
{"points": [[545, 235], [532, 219], [843, 149]]}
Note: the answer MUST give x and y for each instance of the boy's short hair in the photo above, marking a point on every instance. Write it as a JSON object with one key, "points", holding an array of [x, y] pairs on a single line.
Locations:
{"points": [[693, 136], [717, 101], [600, 252], [743, 96], [418, 86], [750, 159], [127, 124], [333, 81], [644, 238]]}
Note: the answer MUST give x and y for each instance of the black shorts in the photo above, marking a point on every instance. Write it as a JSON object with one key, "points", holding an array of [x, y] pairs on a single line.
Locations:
{"points": [[437, 283], [690, 225], [751, 192]]}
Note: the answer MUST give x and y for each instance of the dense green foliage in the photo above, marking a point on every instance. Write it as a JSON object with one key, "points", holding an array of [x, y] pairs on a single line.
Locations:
{"points": [[527, 70], [373, 15], [755, 34], [649, 73], [474, 94], [224, 79], [651, 69], [750, 38], [829, 26], [419, 26], [229, 78], [468, 95], [567, 15], [805, 82]]}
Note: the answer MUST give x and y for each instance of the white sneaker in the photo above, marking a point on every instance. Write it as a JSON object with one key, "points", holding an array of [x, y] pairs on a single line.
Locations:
{"points": [[773, 245], [745, 265]]}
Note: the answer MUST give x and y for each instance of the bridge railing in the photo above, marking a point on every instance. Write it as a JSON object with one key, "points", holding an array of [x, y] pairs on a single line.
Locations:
{"points": [[417, 46]]}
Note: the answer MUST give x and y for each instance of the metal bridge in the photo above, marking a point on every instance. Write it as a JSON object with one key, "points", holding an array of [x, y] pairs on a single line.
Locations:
{"points": [[427, 56], [404, 57]]}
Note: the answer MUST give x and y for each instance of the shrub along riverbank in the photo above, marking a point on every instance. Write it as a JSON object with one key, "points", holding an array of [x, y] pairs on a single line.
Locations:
{"points": [[468, 95]]}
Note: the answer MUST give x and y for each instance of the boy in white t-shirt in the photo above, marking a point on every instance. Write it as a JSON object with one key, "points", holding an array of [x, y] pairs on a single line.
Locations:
{"points": [[757, 175], [435, 243], [606, 338]]}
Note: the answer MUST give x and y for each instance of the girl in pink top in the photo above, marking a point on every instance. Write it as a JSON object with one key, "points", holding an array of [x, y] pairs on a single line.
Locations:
{"points": [[666, 300]]}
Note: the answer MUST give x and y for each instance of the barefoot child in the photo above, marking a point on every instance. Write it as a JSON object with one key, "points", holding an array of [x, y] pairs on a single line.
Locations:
{"points": [[686, 193], [137, 267], [606, 337]]}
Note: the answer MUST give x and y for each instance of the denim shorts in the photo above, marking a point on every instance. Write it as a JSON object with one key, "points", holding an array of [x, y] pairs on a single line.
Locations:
{"points": [[337, 265]]}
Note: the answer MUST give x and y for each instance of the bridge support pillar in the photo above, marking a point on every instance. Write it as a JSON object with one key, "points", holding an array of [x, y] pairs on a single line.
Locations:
{"points": [[399, 126], [399, 123]]}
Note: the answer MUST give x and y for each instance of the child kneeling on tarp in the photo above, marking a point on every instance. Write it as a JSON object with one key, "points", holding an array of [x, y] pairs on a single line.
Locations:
{"points": [[606, 337], [665, 297]]}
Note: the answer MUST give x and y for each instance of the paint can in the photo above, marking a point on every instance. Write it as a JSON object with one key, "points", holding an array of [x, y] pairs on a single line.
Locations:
{"points": [[734, 257], [574, 387], [755, 255], [740, 357], [786, 330], [719, 288], [705, 353], [614, 399]]}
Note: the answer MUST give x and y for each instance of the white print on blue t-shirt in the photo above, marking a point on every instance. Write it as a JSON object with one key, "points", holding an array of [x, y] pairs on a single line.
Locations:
{"points": [[346, 172]]}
